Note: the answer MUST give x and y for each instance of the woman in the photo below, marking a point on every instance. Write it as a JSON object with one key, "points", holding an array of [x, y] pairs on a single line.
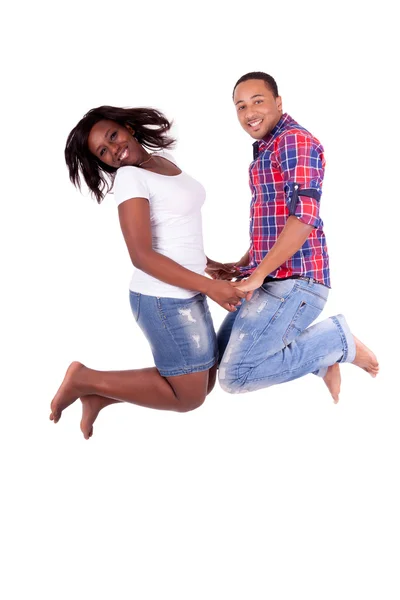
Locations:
{"points": [[159, 209]]}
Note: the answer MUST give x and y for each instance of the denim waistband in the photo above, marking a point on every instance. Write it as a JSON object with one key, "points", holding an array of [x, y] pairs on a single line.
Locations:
{"points": [[268, 279]]}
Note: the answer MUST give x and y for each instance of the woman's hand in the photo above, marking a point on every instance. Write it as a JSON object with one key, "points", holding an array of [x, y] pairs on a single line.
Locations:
{"points": [[225, 294], [224, 271]]}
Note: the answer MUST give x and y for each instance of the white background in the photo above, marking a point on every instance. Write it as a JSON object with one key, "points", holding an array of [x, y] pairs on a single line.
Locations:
{"points": [[277, 494]]}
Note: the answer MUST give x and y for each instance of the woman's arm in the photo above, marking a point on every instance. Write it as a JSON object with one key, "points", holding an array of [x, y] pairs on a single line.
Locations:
{"points": [[226, 271], [134, 216]]}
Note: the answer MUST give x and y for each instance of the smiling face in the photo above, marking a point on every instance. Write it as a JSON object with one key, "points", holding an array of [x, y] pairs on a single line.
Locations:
{"points": [[257, 108], [115, 145]]}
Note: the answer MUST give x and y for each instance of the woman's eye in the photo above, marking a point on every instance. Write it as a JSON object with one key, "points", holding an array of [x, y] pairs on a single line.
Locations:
{"points": [[102, 151], [113, 136]]}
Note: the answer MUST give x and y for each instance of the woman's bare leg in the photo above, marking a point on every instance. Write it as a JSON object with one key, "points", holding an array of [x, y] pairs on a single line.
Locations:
{"points": [[144, 387], [93, 404]]}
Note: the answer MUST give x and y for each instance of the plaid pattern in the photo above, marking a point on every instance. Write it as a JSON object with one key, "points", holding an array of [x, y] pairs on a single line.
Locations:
{"points": [[285, 179]]}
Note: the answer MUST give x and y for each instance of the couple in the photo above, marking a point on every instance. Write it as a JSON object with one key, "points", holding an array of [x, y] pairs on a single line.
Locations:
{"points": [[282, 281]]}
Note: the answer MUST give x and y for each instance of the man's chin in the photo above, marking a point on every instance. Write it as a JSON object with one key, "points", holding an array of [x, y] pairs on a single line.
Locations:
{"points": [[257, 135]]}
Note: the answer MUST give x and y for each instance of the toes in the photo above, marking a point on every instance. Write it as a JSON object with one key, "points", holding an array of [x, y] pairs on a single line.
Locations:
{"points": [[55, 417], [88, 435]]}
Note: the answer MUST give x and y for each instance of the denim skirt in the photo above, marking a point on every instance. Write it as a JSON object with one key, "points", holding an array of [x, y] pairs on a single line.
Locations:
{"points": [[180, 332]]}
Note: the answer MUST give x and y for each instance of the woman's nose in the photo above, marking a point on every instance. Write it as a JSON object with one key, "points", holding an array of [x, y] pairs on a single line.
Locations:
{"points": [[113, 146]]}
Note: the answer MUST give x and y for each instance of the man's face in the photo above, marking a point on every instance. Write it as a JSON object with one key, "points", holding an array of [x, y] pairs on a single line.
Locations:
{"points": [[257, 109]]}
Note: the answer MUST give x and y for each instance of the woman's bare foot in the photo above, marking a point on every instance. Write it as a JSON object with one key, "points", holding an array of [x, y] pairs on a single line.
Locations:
{"points": [[365, 358], [67, 392], [91, 406], [333, 380]]}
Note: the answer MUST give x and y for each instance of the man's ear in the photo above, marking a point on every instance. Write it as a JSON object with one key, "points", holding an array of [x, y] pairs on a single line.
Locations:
{"points": [[279, 103]]}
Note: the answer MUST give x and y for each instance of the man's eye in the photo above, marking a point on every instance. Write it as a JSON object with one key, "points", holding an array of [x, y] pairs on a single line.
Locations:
{"points": [[113, 136], [258, 102], [241, 107]]}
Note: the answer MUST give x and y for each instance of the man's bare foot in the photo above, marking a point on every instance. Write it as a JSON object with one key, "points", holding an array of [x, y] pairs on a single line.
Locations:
{"points": [[333, 381], [365, 358], [67, 392], [91, 406]]}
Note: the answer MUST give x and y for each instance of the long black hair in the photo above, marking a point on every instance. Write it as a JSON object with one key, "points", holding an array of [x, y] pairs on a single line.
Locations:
{"points": [[151, 128]]}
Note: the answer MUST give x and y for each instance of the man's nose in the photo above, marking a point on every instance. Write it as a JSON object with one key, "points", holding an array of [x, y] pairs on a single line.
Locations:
{"points": [[250, 114]]}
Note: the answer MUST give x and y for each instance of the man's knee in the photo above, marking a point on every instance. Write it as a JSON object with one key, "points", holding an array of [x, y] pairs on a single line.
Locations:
{"points": [[229, 383]]}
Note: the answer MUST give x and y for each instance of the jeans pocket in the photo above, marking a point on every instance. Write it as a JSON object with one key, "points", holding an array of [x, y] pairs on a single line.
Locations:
{"points": [[302, 318], [280, 289], [134, 300]]}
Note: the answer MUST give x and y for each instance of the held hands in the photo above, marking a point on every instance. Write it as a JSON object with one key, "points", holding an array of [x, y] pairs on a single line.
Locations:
{"points": [[250, 284], [225, 294]]}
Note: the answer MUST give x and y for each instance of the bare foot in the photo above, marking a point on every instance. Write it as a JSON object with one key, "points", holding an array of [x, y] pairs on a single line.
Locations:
{"points": [[333, 381], [91, 406], [67, 392], [365, 358]]}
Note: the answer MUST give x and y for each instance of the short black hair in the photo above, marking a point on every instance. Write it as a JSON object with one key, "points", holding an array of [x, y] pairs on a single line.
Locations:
{"points": [[269, 80]]}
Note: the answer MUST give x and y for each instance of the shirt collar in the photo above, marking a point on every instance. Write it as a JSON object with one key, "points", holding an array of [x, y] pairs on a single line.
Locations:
{"points": [[263, 144]]}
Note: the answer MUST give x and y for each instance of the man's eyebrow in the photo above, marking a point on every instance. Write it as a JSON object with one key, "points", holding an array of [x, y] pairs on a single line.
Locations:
{"points": [[255, 96], [107, 132]]}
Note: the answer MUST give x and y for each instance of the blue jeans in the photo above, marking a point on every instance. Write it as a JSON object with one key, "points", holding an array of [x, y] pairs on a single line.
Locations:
{"points": [[268, 340]]}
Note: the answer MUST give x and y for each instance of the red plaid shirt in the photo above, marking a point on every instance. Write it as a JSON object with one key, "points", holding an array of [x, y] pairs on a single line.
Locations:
{"points": [[285, 179]]}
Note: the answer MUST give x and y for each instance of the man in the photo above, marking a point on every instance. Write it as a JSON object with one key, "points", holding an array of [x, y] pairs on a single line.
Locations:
{"points": [[268, 340]]}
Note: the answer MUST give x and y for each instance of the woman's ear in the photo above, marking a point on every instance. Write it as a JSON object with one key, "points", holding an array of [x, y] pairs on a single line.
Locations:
{"points": [[131, 131]]}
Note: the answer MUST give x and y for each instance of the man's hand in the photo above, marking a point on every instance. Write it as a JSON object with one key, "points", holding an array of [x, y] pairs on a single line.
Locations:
{"points": [[224, 271], [225, 294]]}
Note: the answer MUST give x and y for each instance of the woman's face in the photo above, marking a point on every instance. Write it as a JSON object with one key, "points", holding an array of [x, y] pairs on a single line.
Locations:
{"points": [[115, 145]]}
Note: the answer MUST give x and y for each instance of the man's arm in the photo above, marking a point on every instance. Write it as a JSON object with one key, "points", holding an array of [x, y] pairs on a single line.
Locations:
{"points": [[292, 238], [301, 161]]}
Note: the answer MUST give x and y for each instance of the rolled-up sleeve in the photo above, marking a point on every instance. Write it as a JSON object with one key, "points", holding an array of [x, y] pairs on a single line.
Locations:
{"points": [[300, 158]]}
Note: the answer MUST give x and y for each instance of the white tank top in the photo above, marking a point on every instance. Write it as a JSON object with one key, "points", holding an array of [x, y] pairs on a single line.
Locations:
{"points": [[176, 225]]}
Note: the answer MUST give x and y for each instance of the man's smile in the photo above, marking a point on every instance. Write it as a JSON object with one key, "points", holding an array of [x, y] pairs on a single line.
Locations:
{"points": [[255, 123]]}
